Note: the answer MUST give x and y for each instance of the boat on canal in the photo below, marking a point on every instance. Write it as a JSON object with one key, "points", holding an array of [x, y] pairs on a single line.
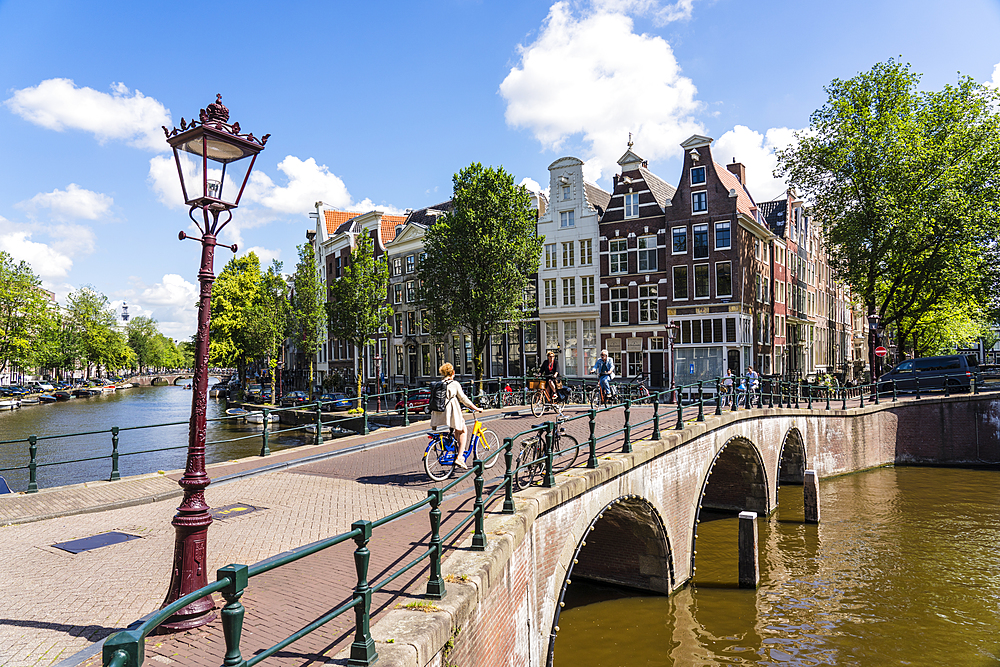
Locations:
{"points": [[258, 418], [238, 414], [10, 404], [62, 395], [47, 398]]}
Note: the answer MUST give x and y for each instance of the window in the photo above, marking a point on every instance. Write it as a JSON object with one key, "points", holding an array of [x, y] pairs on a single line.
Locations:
{"points": [[730, 329], [648, 310], [647, 253], [410, 263], [700, 234], [550, 256], [569, 291], [399, 360], [397, 293], [722, 238], [411, 323], [587, 290], [411, 291], [425, 359], [701, 288], [680, 283], [531, 297], [680, 240], [586, 252], [697, 175], [566, 219], [567, 252], [397, 266], [337, 271], [619, 256], [569, 337], [398, 328], [425, 325], [550, 293], [619, 305], [699, 202], [589, 345], [724, 279], [632, 205], [565, 193], [551, 336]]}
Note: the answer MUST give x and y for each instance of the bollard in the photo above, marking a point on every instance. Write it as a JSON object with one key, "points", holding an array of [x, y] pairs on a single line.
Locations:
{"points": [[827, 398], [861, 395], [364, 417], [718, 397], [319, 423], [770, 396], [627, 444], [435, 585], [917, 379], [701, 401], [947, 386], [656, 416], [810, 496], [479, 534], [680, 412], [592, 461], [33, 464], [843, 397], [875, 391], [893, 391], [809, 399], [363, 647], [977, 380], [406, 407], [550, 479], [233, 611], [265, 450], [114, 454], [798, 390], [749, 566], [508, 478]]}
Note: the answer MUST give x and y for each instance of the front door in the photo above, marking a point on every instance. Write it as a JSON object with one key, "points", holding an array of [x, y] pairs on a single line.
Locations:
{"points": [[733, 362], [413, 364], [656, 378]]}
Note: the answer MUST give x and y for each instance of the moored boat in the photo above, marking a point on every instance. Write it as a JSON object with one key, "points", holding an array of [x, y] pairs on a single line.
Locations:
{"points": [[239, 414], [10, 404], [258, 418], [30, 400], [62, 395], [47, 398]]}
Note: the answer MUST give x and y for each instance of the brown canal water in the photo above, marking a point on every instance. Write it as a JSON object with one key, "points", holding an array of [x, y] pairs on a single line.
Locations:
{"points": [[903, 570]]}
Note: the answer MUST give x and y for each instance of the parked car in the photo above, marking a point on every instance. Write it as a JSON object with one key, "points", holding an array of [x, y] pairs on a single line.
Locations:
{"points": [[416, 401], [36, 385], [253, 392], [336, 402], [954, 370], [294, 398]]}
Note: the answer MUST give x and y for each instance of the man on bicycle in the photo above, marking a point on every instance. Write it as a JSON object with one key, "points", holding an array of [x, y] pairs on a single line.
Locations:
{"points": [[605, 369]]}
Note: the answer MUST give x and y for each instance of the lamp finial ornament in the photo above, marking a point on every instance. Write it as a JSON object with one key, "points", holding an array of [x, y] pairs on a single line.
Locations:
{"points": [[217, 112]]}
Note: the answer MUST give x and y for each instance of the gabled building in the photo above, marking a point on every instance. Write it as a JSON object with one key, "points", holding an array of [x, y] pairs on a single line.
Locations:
{"points": [[569, 271]]}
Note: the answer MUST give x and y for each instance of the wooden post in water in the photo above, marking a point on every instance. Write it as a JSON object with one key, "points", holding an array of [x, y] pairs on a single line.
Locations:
{"points": [[749, 566], [810, 494]]}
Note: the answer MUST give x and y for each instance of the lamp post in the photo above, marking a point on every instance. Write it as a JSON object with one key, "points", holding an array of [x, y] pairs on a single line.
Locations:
{"points": [[378, 381], [873, 343], [211, 158], [672, 330]]}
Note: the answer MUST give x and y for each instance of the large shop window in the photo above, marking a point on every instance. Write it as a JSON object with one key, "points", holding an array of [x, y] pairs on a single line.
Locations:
{"points": [[698, 363], [569, 336]]}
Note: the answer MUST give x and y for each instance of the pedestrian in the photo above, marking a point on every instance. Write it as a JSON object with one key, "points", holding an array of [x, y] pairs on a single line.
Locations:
{"points": [[452, 415], [727, 386]]}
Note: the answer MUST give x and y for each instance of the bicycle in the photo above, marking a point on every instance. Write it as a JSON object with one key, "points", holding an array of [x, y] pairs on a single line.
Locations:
{"points": [[540, 402], [532, 455], [439, 457], [599, 399], [637, 391]]}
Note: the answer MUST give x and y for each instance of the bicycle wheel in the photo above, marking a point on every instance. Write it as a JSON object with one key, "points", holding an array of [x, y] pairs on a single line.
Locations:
{"points": [[525, 476], [595, 398], [439, 461], [569, 449], [489, 445], [642, 394], [538, 403]]}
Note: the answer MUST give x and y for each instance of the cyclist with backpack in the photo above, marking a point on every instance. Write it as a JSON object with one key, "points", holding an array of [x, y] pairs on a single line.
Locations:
{"points": [[447, 399]]}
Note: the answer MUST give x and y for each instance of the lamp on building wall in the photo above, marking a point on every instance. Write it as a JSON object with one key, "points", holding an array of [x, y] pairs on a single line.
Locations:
{"points": [[213, 166]]}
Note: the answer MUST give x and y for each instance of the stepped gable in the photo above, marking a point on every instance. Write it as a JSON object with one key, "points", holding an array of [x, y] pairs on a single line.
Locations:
{"points": [[336, 221], [596, 197], [744, 202]]}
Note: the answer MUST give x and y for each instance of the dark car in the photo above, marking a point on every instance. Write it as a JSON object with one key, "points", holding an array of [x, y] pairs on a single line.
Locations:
{"points": [[955, 370], [294, 398], [335, 402], [416, 401]]}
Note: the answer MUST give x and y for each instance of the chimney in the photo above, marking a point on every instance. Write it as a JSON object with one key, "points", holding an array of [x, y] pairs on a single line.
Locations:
{"points": [[738, 169]]}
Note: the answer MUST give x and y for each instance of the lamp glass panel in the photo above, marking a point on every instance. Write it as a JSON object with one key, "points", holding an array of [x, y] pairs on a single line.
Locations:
{"points": [[224, 179]]}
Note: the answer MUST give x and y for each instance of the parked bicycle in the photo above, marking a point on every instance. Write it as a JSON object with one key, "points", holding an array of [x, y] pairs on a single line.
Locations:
{"points": [[442, 448], [533, 451]]}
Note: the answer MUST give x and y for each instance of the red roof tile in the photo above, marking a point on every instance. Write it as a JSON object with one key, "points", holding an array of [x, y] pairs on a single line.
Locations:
{"points": [[335, 219], [388, 229], [744, 202]]}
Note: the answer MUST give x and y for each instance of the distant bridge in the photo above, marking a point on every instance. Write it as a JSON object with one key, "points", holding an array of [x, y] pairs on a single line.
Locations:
{"points": [[172, 378]]}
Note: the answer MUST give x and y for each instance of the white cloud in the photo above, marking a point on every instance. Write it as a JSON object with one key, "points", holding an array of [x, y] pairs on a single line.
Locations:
{"points": [[125, 115], [44, 260], [995, 81], [72, 203], [531, 184], [308, 183], [618, 81], [263, 254], [661, 14], [756, 152]]}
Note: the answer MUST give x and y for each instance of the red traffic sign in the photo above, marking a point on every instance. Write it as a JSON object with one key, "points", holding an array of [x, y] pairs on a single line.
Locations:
{"points": [[881, 351]]}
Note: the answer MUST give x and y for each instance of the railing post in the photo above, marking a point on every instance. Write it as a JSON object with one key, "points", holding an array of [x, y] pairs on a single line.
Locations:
{"points": [[363, 648], [508, 455], [680, 411], [524, 390], [656, 415], [479, 534], [115, 475], [435, 585], [550, 478], [319, 423], [701, 400], [977, 380], [265, 450], [827, 398], [875, 391], [843, 396], [718, 397], [233, 611], [129, 644], [861, 395], [798, 390], [770, 395], [893, 391], [363, 402], [809, 399], [627, 444], [592, 460], [917, 378], [946, 387], [406, 406], [736, 396], [33, 464]]}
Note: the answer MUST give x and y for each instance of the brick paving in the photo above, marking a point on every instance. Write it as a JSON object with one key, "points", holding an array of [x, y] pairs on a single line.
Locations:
{"points": [[56, 604]]}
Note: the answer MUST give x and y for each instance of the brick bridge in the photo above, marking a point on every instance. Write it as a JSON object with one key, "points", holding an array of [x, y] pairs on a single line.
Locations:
{"points": [[172, 378], [634, 520]]}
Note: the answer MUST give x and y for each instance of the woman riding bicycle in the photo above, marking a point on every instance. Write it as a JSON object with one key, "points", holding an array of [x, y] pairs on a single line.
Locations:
{"points": [[605, 369], [452, 415], [550, 371]]}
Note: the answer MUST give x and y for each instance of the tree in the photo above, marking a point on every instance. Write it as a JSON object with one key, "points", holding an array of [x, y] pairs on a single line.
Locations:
{"points": [[357, 310], [274, 295], [307, 311], [480, 258], [92, 331], [142, 338], [24, 311], [906, 186]]}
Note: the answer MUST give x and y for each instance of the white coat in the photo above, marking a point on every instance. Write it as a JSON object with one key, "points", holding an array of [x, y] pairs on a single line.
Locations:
{"points": [[452, 415]]}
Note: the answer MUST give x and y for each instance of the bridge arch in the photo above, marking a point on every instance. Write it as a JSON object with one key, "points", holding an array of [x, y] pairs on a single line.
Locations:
{"points": [[792, 462], [628, 546]]}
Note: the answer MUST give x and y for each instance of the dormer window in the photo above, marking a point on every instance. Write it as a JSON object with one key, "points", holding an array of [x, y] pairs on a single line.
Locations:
{"points": [[697, 175], [565, 191], [566, 219], [632, 205]]}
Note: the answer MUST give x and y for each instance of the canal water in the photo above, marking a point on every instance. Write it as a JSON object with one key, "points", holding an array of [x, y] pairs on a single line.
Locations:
{"points": [[903, 570], [164, 448]]}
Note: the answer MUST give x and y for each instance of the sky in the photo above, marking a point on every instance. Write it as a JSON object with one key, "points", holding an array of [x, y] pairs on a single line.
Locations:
{"points": [[377, 105]]}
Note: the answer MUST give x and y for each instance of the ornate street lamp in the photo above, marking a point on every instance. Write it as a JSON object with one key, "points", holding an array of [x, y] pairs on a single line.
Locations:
{"points": [[873, 342], [211, 157], [673, 330]]}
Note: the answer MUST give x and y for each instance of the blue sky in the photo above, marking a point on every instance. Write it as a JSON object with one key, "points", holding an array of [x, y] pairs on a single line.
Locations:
{"points": [[377, 105]]}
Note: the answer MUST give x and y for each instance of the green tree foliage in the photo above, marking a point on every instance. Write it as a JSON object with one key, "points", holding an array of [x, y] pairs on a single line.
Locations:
{"points": [[307, 311], [92, 331], [357, 310], [24, 312], [143, 339], [906, 185], [480, 258]]}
